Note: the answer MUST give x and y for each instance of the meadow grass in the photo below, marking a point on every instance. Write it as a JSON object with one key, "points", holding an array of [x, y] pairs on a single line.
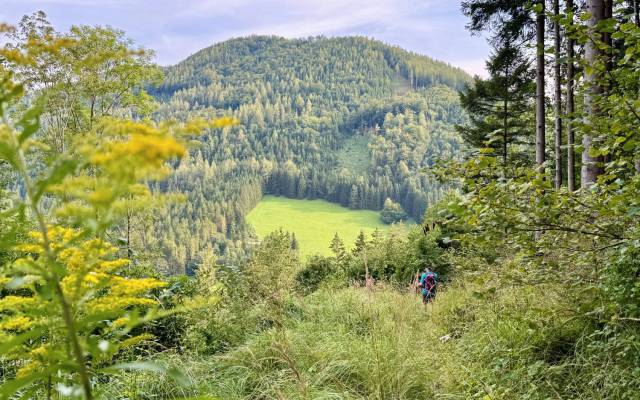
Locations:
{"points": [[314, 222], [401, 85], [354, 154]]}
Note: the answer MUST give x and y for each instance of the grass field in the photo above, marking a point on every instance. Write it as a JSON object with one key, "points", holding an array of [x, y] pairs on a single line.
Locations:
{"points": [[354, 154], [314, 222], [401, 86]]}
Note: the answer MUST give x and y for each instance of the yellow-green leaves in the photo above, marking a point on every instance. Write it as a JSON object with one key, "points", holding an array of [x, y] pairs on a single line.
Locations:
{"points": [[67, 306]]}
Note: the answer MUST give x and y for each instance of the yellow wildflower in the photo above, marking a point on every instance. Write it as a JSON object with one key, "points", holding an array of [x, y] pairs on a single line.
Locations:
{"points": [[153, 150], [129, 286], [16, 302], [103, 196], [122, 321], [28, 369], [19, 323], [39, 352], [135, 340], [109, 266], [107, 304], [30, 248], [224, 121]]}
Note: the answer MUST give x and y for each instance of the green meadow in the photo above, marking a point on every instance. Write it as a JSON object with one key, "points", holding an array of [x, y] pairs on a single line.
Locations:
{"points": [[314, 222]]}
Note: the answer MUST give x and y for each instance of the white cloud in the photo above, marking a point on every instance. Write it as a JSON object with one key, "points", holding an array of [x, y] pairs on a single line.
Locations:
{"points": [[176, 29], [474, 67]]}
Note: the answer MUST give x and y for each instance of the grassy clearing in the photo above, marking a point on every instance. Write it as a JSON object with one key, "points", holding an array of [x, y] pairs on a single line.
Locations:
{"points": [[401, 86], [354, 155], [314, 222]]}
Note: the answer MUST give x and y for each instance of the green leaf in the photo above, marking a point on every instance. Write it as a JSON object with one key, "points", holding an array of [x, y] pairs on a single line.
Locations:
{"points": [[10, 387], [630, 145], [30, 122], [57, 174], [8, 152], [585, 16], [18, 340], [14, 93]]}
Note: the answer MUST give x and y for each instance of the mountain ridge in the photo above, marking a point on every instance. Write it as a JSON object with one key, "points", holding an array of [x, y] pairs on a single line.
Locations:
{"points": [[316, 38]]}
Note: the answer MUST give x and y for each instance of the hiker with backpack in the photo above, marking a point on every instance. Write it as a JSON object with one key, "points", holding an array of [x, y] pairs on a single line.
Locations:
{"points": [[427, 285]]}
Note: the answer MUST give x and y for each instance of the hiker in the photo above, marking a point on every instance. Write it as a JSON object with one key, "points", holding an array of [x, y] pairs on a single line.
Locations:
{"points": [[428, 282]]}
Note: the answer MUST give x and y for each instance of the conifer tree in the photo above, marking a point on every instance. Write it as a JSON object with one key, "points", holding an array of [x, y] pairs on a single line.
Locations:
{"points": [[496, 105], [360, 244]]}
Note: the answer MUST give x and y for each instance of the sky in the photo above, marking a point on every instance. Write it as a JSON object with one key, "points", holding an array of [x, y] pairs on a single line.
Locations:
{"points": [[176, 29]]}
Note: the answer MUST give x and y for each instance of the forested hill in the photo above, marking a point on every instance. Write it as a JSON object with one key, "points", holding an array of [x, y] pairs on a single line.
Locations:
{"points": [[311, 66], [350, 120]]}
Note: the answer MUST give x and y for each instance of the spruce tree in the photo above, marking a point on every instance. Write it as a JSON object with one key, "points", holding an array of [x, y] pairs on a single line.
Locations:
{"points": [[496, 105], [360, 244]]}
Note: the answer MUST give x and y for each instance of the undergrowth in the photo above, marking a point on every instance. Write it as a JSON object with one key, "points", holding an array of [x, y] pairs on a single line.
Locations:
{"points": [[518, 342]]}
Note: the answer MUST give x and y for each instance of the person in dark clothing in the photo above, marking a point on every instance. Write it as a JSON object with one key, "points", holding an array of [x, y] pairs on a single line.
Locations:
{"points": [[428, 283]]}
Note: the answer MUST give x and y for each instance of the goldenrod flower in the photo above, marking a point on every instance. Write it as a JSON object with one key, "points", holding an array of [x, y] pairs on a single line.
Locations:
{"points": [[19, 323]]}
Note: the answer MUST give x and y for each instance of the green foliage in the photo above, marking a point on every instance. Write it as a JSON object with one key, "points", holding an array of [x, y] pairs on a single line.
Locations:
{"points": [[392, 212], [350, 344], [316, 271], [271, 275], [97, 73], [569, 257], [540, 298], [67, 308]]}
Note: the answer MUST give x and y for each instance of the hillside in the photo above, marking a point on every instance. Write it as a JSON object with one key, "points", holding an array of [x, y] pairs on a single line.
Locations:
{"points": [[349, 120]]}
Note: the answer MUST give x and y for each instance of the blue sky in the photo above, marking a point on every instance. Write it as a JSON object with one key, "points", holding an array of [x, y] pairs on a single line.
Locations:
{"points": [[177, 28]]}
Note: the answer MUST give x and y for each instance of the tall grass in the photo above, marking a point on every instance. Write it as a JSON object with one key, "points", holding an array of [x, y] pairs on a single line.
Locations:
{"points": [[355, 343]]}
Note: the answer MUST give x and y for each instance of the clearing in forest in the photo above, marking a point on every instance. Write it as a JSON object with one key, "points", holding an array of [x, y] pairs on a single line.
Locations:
{"points": [[401, 85], [354, 154], [314, 222]]}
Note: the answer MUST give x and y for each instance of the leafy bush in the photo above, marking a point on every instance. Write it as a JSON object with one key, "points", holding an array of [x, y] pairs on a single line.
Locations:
{"points": [[392, 212], [316, 271]]}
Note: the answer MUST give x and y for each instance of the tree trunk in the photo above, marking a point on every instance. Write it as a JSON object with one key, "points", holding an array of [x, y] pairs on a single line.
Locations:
{"points": [[571, 160], [636, 13], [558, 96], [505, 136], [505, 125], [129, 251], [592, 166], [540, 106]]}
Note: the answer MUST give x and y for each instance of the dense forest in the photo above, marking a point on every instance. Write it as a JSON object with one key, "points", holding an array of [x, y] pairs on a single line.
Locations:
{"points": [[349, 120], [127, 270]]}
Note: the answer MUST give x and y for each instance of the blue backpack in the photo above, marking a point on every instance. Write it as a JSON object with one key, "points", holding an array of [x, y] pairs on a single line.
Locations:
{"points": [[429, 282]]}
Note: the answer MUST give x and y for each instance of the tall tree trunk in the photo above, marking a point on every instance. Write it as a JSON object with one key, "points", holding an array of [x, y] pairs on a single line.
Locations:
{"points": [[505, 124], [592, 166], [571, 160], [558, 95], [129, 250], [540, 106], [505, 136]]}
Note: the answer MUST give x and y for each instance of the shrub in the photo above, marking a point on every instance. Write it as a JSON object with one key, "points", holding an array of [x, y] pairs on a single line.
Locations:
{"points": [[392, 212]]}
